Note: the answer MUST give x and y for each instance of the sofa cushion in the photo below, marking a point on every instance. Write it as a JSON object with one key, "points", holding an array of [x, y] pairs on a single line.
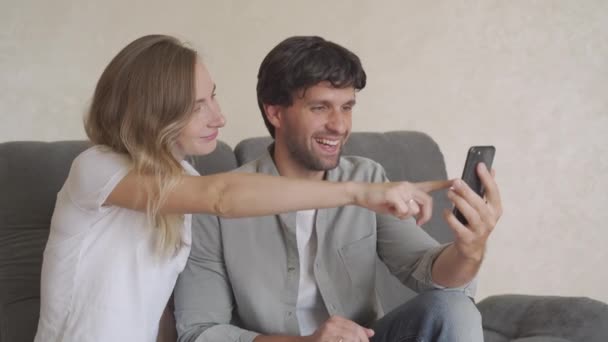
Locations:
{"points": [[543, 318]]}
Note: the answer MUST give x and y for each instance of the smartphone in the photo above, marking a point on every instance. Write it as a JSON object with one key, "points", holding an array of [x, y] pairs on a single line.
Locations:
{"points": [[476, 155]]}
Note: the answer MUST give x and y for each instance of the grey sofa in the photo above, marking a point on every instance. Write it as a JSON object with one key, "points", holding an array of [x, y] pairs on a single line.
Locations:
{"points": [[31, 174]]}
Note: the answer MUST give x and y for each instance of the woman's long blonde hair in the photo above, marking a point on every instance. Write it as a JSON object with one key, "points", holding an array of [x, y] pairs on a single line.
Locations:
{"points": [[142, 101]]}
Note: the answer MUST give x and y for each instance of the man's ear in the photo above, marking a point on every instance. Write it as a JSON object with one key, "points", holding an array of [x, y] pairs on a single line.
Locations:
{"points": [[274, 114]]}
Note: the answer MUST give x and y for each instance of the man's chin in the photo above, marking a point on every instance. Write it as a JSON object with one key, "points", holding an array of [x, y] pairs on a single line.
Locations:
{"points": [[314, 160], [326, 164]]}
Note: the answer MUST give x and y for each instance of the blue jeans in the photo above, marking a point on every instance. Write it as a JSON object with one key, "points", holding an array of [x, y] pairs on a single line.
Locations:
{"points": [[434, 316]]}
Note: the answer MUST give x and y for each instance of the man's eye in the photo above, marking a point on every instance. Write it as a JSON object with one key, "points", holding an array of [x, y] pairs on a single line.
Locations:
{"points": [[213, 95], [318, 108]]}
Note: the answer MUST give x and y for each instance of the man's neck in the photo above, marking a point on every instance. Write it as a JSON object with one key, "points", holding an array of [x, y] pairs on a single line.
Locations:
{"points": [[288, 167]]}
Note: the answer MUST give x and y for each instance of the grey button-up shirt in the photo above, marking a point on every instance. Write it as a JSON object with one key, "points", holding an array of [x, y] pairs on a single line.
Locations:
{"points": [[242, 277]]}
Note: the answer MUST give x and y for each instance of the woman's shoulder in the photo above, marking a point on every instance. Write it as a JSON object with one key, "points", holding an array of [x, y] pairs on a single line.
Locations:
{"points": [[95, 155], [101, 151], [94, 173], [99, 160]]}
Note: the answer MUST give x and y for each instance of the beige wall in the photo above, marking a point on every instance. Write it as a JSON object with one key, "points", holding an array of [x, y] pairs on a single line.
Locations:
{"points": [[530, 77]]}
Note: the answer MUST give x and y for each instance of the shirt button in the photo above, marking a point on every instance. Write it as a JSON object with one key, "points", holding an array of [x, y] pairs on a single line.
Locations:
{"points": [[291, 269]]}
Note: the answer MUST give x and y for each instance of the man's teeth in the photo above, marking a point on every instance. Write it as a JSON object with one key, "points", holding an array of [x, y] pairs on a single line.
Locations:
{"points": [[328, 142]]}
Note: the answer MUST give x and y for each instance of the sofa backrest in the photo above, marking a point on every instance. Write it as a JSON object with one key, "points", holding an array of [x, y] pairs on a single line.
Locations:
{"points": [[405, 155], [31, 174]]}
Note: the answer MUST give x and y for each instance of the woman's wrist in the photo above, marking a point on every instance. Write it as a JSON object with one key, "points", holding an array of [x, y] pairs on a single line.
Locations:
{"points": [[355, 192]]}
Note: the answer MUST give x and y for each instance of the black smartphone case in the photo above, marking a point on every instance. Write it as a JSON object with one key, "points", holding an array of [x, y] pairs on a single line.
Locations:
{"points": [[476, 155]]}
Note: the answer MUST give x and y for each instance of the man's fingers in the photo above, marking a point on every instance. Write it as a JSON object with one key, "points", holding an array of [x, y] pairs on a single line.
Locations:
{"points": [[347, 330], [468, 209], [492, 193], [470, 197], [462, 233], [430, 186]]}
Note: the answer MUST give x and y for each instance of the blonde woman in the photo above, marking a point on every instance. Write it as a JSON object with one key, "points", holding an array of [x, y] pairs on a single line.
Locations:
{"points": [[121, 229]]}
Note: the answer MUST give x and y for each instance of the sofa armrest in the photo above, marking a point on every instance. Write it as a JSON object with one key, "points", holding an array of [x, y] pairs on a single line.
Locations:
{"points": [[543, 318]]}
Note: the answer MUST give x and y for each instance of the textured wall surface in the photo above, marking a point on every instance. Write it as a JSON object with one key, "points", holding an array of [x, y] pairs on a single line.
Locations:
{"points": [[530, 77]]}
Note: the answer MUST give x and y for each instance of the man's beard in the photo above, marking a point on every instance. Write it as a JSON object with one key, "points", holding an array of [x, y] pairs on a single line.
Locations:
{"points": [[308, 159]]}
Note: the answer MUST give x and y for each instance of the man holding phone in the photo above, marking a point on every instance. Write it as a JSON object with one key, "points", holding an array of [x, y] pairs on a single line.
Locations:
{"points": [[309, 276]]}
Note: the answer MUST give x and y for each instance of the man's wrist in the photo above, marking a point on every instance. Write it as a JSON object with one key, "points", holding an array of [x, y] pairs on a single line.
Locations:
{"points": [[473, 258]]}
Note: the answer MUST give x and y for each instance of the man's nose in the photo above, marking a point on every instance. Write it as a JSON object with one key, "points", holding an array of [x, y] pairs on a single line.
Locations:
{"points": [[337, 122]]}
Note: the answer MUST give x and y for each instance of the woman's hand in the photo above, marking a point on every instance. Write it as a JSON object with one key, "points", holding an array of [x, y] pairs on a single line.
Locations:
{"points": [[401, 199]]}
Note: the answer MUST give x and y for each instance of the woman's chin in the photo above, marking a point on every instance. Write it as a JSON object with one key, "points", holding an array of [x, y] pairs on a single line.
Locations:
{"points": [[205, 148]]}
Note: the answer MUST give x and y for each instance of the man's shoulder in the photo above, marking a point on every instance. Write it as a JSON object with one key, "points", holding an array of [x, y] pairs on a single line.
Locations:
{"points": [[352, 162], [353, 168], [357, 168], [262, 164]]}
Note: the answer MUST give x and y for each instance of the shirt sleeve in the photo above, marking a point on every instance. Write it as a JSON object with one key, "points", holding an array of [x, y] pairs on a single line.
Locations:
{"points": [[409, 251], [203, 295], [93, 175], [423, 273]]}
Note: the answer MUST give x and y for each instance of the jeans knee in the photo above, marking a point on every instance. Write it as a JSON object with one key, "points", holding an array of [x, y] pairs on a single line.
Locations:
{"points": [[450, 306], [441, 315]]}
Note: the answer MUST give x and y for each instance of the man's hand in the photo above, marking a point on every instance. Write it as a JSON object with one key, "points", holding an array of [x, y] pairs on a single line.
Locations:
{"points": [[482, 215], [335, 329], [401, 199], [339, 329]]}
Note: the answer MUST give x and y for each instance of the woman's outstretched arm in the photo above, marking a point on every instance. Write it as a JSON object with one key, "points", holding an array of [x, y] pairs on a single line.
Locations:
{"points": [[247, 194]]}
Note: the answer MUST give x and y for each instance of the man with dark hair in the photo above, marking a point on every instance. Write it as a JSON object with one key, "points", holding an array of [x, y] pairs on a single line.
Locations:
{"points": [[309, 275]]}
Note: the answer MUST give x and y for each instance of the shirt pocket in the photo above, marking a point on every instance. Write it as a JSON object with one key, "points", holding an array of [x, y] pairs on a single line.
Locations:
{"points": [[359, 259]]}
